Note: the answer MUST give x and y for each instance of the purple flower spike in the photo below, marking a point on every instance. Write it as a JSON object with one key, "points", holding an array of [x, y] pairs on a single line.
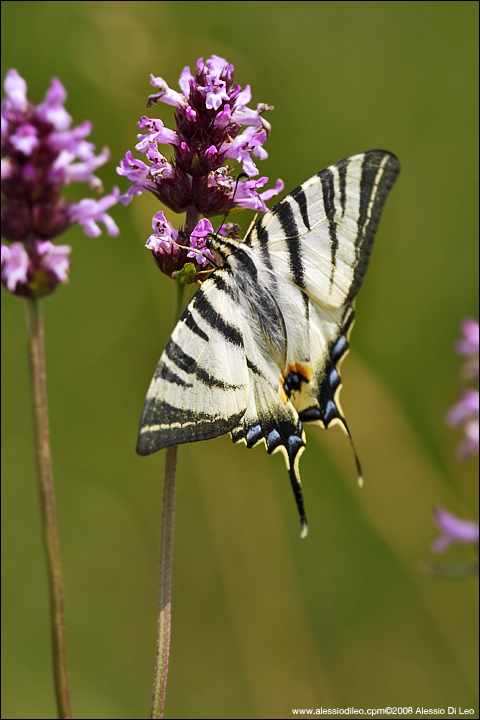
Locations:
{"points": [[209, 113], [42, 154], [453, 530]]}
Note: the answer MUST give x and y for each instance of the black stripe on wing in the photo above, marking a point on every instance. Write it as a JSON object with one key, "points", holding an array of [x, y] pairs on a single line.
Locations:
{"points": [[259, 237], [379, 171], [206, 310], [178, 357], [187, 319], [328, 189], [342, 182], [186, 363], [172, 377], [251, 366], [163, 425], [301, 199], [286, 217]]}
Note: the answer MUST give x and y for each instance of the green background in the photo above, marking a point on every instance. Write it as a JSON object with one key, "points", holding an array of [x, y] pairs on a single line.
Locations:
{"points": [[262, 621]]}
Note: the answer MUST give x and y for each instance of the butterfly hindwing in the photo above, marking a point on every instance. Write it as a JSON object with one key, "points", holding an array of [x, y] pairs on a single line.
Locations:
{"points": [[271, 418], [258, 349]]}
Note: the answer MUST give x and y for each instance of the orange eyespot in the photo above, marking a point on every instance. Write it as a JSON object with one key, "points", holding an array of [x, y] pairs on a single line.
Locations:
{"points": [[304, 370], [292, 380]]}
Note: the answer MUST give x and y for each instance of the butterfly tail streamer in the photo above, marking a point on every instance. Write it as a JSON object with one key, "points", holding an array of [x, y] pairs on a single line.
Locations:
{"points": [[357, 460], [294, 474], [357, 463], [291, 444]]}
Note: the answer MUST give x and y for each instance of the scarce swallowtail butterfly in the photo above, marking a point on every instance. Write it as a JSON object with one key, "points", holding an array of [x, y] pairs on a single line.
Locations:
{"points": [[257, 350]]}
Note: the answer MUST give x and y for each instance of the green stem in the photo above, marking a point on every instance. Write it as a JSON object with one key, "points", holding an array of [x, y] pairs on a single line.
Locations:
{"points": [[36, 354], [166, 549]]}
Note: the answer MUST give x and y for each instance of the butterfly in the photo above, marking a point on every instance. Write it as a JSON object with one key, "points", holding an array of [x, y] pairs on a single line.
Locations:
{"points": [[257, 350]]}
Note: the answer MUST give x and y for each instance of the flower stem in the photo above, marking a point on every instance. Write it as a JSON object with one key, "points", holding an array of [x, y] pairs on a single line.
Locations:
{"points": [[166, 549], [47, 495]]}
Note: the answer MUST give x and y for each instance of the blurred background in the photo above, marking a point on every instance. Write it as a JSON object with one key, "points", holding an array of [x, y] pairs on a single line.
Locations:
{"points": [[262, 621]]}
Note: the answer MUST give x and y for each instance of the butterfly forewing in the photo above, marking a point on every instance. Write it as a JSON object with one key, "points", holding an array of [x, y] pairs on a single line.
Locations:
{"points": [[258, 348], [320, 236], [200, 387]]}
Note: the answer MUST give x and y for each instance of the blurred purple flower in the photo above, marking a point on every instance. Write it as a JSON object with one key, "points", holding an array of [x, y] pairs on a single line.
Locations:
{"points": [[89, 212], [15, 264], [209, 113], [465, 413], [453, 530], [36, 272], [41, 154], [469, 344]]}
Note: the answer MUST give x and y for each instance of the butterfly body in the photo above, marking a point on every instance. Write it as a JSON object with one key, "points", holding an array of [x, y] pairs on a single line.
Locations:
{"points": [[257, 350]]}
